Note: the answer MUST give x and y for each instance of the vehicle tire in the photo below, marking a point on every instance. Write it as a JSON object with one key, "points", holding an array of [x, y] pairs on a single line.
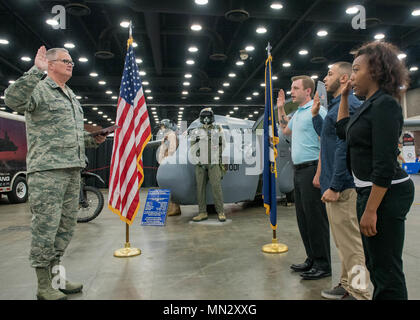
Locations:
{"points": [[19, 193], [94, 204]]}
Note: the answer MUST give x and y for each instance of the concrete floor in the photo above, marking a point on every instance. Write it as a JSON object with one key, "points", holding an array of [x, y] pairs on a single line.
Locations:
{"points": [[183, 260]]}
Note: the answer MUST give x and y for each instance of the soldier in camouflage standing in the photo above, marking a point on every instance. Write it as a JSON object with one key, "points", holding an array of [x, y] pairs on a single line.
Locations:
{"points": [[56, 154], [208, 143]]}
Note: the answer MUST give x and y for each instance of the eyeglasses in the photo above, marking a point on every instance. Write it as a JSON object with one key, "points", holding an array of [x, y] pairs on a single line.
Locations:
{"points": [[65, 61]]}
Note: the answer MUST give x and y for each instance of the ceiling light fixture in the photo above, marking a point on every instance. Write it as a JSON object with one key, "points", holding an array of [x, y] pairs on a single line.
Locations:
{"points": [[83, 59], [69, 45], [186, 83], [261, 30], [322, 33], [93, 74], [379, 36], [4, 41], [125, 24], [416, 12], [232, 75], [402, 56], [239, 63], [287, 64], [190, 62], [52, 22], [196, 27], [193, 49], [249, 48], [303, 52], [138, 60], [276, 6], [188, 75], [102, 82], [201, 2], [352, 10], [26, 59]]}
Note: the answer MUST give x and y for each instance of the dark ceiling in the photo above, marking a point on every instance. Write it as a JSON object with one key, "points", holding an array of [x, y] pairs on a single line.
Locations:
{"points": [[162, 30]]}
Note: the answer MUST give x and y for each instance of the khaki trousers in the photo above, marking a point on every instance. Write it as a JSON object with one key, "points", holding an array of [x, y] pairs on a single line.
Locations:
{"points": [[346, 233]]}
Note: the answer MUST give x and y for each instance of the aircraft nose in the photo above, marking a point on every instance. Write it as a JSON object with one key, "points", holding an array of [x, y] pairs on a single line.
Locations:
{"points": [[180, 179]]}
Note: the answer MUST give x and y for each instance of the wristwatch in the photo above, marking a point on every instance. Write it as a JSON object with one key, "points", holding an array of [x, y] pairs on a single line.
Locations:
{"points": [[333, 189]]}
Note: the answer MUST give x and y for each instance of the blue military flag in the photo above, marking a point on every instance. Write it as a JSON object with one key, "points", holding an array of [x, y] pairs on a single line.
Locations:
{"points": [[270, 152]]}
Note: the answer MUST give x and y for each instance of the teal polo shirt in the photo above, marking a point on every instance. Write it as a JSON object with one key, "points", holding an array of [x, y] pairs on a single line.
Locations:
{"points": [[305, 141]]}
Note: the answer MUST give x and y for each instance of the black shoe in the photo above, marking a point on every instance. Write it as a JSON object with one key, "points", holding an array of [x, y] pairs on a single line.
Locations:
{"points": [[315, 274], [306, 266]]}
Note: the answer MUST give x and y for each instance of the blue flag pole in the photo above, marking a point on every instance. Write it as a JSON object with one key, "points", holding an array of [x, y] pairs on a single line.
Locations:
{"points": [[271, 139]]}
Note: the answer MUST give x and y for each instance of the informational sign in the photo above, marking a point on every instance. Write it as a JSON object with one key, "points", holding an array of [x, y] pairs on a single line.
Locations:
{"points": [[409, 152], [156, 207]]}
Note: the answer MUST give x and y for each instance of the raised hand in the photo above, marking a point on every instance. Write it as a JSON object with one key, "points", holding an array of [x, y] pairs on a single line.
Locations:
{"points": [[316, 105], [346, 90], [41, 60], [281, 99]]}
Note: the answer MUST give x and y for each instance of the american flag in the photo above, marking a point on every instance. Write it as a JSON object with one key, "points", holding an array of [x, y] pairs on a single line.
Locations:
{"points": [[134, 132]]}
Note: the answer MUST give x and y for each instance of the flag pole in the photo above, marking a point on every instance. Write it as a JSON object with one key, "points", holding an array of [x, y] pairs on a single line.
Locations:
{"points": [[127, 251], [274, 246]]}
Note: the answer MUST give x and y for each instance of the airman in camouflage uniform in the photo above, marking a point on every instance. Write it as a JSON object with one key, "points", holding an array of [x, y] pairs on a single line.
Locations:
{"points": [[209, 166], [56, 152]]}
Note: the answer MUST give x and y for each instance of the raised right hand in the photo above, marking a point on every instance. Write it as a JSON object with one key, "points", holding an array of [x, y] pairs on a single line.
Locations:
{"points": [[316, 105], [41, 60], [346, 90], [281, 99]]}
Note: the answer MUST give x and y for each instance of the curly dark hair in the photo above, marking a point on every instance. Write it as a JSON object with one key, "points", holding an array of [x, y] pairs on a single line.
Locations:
{"points": [[386, 69]]}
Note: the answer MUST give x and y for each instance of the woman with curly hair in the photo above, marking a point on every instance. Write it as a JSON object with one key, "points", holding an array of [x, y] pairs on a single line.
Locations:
{"points": [[384, 191]]}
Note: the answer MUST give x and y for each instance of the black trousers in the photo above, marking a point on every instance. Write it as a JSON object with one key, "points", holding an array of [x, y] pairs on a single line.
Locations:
{"points": [[312, 219], [383, 252]]}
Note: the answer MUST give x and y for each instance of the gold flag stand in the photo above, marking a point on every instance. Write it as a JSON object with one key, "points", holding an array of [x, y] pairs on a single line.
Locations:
{"points": [[127, 251], [275, 246]]}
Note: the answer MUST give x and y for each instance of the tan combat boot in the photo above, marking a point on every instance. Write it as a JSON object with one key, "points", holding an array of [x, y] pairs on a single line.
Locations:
{"points": [[70, 287], [45, 290], [173, 209], [221, 216], [200, 217]]}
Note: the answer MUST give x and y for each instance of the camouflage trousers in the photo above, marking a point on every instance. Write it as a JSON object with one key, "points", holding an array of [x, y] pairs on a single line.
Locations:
{"points": [[212, 173], [54, 203]]}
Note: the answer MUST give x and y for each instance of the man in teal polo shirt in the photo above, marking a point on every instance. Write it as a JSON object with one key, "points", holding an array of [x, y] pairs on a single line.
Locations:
{"points": [[310, 211]]}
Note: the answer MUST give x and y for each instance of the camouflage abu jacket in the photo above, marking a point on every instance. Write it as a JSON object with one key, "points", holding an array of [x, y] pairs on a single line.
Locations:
{"points": [[54, 122]]}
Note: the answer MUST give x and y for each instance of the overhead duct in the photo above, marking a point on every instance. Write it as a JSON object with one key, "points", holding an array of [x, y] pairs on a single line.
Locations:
{"points": [[77, 9], [237, 15], [104, 51]]}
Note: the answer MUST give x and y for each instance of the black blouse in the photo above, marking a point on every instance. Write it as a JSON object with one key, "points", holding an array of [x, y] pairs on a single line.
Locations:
{"points": [[372, 135]]}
